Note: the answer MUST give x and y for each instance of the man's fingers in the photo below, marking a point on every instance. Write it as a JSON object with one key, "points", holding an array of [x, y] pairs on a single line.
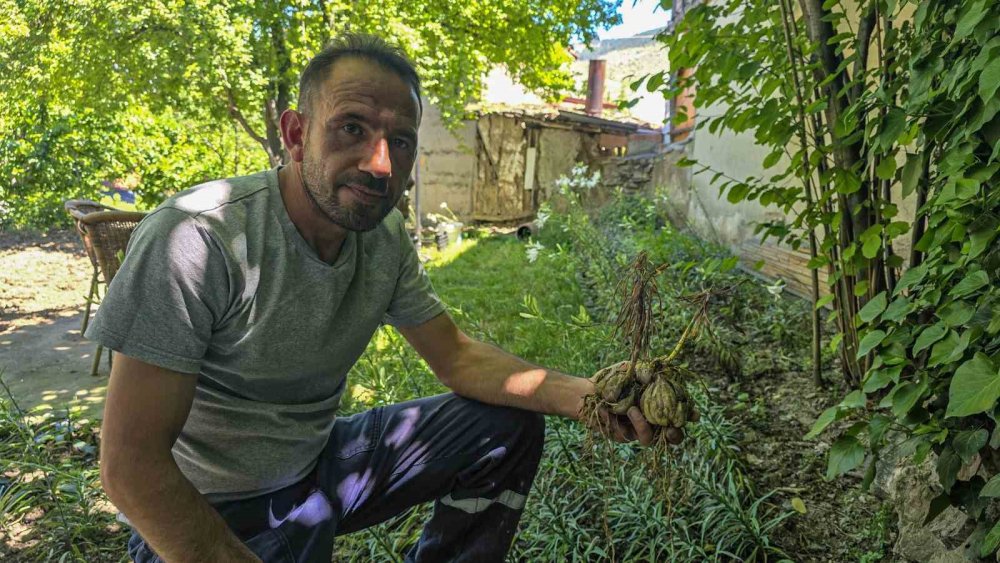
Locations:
{"points": [[643, 430]]}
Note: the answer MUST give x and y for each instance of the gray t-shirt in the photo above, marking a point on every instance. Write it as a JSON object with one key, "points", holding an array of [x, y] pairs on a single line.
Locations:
{"points": [[217, 281]]}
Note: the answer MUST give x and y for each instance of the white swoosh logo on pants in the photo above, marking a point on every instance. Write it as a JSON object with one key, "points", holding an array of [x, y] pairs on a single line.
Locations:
{"points": [[315, 509]]}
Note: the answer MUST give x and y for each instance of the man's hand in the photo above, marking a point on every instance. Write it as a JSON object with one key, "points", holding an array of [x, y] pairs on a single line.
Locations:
{"points": [[633, 426]]}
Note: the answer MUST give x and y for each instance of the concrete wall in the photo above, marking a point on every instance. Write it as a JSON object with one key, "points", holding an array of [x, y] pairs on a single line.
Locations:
{"points": [[447, 164]]}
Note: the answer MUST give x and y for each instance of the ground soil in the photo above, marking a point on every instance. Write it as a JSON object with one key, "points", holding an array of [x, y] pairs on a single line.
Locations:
{"points": [[44, 360], [841, 522]]}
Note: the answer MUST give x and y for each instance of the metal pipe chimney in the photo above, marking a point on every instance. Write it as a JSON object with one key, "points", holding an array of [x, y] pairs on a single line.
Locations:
{"points": [[595, 87]]}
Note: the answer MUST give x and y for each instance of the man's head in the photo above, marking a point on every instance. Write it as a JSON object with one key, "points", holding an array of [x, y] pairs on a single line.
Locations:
{"points": [[354, 135]]}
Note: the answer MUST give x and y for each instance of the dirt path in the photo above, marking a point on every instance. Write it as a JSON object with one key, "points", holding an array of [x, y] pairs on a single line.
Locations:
{"points": [[44, 360]]}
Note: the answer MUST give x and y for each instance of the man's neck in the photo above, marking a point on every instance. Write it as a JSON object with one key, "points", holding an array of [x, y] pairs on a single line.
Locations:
{"points": [[323, 236]]}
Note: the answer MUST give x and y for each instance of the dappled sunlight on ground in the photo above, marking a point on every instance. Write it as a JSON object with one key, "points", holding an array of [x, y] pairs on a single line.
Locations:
{"points": [[41, 276], [439, 258], [44, 360]]}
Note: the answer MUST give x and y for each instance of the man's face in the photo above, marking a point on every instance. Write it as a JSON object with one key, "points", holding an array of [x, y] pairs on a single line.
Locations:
{"points": [[359, 143]]}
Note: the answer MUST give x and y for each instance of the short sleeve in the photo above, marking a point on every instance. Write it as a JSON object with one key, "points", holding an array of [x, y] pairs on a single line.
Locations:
{"points": [[170, 292], [414, 301]]}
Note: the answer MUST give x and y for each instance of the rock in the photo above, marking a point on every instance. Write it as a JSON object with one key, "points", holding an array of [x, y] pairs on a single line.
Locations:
{"points": [[953, 556], [968, 471], [910, 489]]}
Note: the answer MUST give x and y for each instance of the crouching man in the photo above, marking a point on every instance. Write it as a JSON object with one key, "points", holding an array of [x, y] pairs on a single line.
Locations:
{"points": [[240, 308]]}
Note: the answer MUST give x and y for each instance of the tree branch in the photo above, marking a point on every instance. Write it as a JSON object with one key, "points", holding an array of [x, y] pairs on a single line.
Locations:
{"points": [[237, 115]]}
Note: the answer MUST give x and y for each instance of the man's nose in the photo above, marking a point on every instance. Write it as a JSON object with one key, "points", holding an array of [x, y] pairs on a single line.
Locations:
{"points": [[377, 162]]}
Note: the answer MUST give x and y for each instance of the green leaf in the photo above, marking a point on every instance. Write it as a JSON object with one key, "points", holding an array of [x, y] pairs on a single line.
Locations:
{"points": [[905, 397], [991, 541], [654, 82], [912, 172], [798, 505], [861, 288], [886, 168], [949, 349], [893, 125], [974, 388], [870, 341], [899, 308], [825, 419], [845, 454], [879, 378], [929, 336], [948, 466], [835, 341], [824, 301], [871, 247], [866, 481], [772, 159], [973, 13], [982, 232], [989, 80], [956, 313], [854, 400], [992, 488], [970, 283], [910, 278], [877, 429], [738, 193], [968, 443], [873, 308]]}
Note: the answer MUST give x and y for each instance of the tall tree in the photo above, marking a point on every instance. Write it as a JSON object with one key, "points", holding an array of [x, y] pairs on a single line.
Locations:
{"points": [[235, 63]]}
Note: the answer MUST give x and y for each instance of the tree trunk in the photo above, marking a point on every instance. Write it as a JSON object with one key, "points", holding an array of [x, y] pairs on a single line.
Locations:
{"points": [[279, 89]]}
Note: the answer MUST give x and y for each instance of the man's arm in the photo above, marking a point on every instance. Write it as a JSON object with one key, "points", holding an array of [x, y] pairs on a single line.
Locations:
{"points": [[486, 373], [145, 410]]}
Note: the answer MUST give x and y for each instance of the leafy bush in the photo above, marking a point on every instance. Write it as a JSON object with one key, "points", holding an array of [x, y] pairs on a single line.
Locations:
{"points": [[861, 107]]}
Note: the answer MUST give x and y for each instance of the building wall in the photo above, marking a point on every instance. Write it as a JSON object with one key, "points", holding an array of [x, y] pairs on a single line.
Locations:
{"points": [[447, 164]]}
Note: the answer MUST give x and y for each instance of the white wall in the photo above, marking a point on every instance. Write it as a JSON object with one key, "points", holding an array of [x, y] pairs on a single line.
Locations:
{"points": [[447, 164]]}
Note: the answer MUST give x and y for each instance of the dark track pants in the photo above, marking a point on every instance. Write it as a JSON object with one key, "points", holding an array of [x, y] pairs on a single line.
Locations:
{"points": [[476, 461]]}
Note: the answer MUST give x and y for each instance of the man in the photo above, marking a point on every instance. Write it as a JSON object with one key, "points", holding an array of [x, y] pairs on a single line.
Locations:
{"points": [[239, 310]]}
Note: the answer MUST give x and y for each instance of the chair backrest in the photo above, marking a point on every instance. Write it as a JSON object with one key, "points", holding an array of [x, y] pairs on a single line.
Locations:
{"points": [[105, 232]]}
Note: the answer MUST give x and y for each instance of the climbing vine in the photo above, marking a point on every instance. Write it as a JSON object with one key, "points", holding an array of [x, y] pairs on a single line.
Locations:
{"points": [[883, 122]]}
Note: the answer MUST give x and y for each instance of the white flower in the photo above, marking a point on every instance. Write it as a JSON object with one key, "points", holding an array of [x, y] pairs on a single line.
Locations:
{"points": [[776, 288], [532, 250], [542, 216]]}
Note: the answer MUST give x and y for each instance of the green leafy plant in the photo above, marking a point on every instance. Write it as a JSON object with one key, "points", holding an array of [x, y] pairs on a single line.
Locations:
{"points": [[864, 107]]}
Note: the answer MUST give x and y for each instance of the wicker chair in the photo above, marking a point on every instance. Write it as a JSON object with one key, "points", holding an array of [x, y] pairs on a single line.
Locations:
{"points": [[105, 232]]}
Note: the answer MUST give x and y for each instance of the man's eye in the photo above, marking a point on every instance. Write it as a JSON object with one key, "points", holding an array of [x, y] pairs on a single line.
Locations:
{"points": [[400, 143], [353, 129]]}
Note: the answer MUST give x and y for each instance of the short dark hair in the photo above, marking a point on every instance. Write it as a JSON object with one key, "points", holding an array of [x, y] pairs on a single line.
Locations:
{"points": [[375, 49]]}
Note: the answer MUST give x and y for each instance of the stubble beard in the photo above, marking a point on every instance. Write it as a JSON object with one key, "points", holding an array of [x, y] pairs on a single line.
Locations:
{"points": [[328, 202]]}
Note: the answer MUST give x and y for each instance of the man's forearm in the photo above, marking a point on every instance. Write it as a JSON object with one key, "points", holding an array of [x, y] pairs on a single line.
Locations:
{"points": [[488, 374], [171, 515]]}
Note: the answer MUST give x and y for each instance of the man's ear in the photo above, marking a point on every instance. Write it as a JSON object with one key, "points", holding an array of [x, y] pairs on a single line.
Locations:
{"points": [[293, 133]]}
